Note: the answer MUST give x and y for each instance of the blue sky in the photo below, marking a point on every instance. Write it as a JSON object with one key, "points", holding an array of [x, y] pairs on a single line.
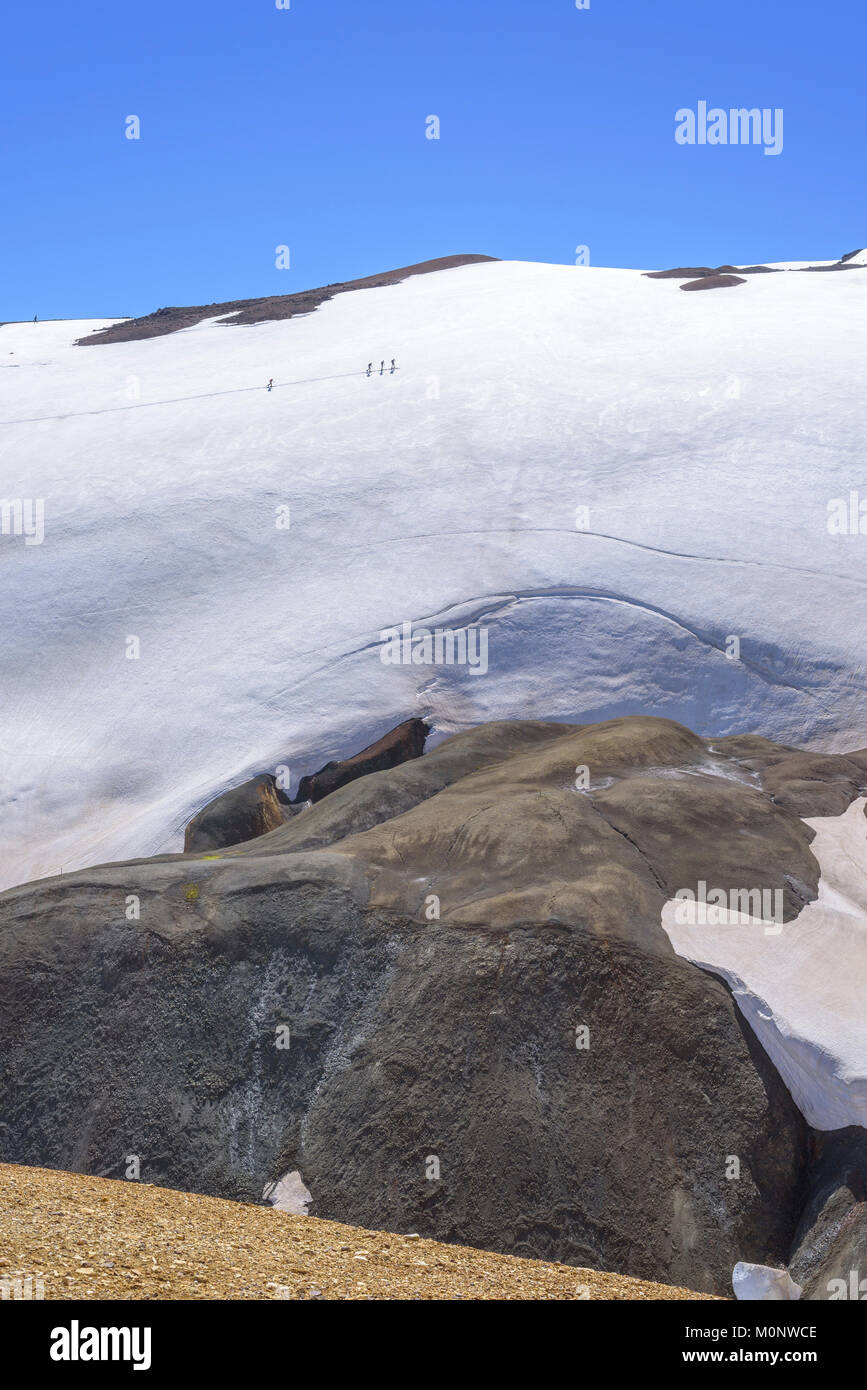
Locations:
{"points": [[305, 127]]}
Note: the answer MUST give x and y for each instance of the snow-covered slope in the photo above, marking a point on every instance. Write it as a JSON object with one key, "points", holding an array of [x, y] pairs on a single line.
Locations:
{"points": [[706, 434], [801, 984]]}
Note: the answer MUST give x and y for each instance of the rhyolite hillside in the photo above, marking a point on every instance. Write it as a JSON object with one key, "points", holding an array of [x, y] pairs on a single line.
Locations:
{"points": [[465, 956]]}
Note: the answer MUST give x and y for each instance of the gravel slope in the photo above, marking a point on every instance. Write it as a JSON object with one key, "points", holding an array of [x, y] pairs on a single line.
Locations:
{"points": [[97, 1238]]}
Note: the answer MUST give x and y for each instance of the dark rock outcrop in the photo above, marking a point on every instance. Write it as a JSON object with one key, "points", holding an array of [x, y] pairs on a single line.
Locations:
{"points": [[715, 277], [714, 282], [693, 272], [258, 806], [844, 264], [680, 272], [716, 273], [459, 958], [829, 1256], [278, 306], [408, 1040], [242, 813], [399, 745]]}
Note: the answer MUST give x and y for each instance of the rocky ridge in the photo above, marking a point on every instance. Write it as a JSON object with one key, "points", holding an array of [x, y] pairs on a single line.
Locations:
{"points": [[442, 994]]}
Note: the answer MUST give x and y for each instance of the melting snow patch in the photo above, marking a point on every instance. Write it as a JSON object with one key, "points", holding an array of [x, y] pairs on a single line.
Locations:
{"points": [[763, 1282], [288, 1194], [800, 985]]}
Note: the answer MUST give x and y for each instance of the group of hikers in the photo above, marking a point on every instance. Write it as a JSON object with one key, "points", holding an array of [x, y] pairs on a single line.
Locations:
{"points": [[392, 368]]}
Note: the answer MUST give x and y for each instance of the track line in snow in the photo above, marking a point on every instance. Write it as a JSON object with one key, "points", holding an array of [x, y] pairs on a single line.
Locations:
{"points": [[617, 540], [179, 400]]}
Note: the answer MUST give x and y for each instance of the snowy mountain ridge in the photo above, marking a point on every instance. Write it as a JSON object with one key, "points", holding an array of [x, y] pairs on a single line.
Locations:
{"points": [[630, 489]]}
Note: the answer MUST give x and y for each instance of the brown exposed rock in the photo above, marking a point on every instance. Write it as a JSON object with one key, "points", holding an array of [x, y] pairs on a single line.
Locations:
{"points": [[258, 806], [280, 306], [398, 746], [838, 265], [681, 272], [605, 860], [807, 784], [714, 282], [242, 813], [701, 272], [685, 272]]}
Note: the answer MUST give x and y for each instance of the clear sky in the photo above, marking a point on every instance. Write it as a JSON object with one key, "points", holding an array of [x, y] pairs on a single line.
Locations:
{"points": [[306, 127]]}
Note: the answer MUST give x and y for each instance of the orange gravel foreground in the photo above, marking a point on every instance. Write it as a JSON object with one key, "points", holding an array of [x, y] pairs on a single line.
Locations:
{"points": [[87, 1237]]}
